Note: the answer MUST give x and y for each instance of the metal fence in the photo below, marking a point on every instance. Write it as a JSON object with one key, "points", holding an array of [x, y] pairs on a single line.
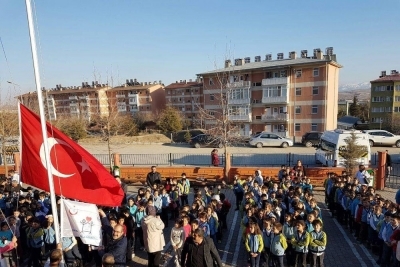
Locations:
{"points": [[237, 159], [393, 176], [9, 159], [102, 158], [168, 159]]}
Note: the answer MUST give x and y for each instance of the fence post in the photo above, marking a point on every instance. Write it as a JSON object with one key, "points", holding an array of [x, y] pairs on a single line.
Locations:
{"points": [[289, 159], [227, 166], [116, 159], [170, 157], [381, 173], [17, 161]]}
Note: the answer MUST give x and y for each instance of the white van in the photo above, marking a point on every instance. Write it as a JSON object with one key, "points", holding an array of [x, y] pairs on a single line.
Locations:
{"points": [[332, 143]]}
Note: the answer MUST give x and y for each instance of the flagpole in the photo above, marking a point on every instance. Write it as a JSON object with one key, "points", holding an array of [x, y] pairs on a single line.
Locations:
{"points": [[42, 119]]}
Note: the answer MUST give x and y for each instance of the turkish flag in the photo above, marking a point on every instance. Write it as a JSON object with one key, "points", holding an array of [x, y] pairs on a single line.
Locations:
{"points": [[76, 173]]}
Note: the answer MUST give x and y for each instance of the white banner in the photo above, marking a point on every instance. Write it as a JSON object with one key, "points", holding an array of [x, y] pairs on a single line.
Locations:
{"points": [[82, 220]]}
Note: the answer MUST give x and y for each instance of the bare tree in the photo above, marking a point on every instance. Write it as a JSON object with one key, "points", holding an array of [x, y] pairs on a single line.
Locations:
{"points": [[9, 131], [232, 98]]}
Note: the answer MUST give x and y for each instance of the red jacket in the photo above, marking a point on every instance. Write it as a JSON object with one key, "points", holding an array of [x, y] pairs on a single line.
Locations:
{"points": [[215, 159]]}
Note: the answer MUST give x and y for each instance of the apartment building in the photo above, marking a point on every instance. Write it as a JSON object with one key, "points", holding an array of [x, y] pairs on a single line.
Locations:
{"points": [[86, 101], [99, 100], [187, 97], [288, 96], [385, 99], [133, 96]]}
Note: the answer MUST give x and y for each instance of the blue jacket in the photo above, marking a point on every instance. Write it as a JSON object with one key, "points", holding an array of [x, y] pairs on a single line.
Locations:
{"points": [[158, 203], [397, 197], [366, 213], [49, 235], [288, 231], [354, 205], [132, 209], [139, 216], [278, 245], [267, 237], [118, 249], [205, 227], [213, 225]]}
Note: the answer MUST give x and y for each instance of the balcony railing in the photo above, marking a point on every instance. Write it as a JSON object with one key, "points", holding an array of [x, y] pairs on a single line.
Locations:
{"points": [[272, 81], [73, 98], [275, 99], [239, 84], [120, 96], [246, 118], [276, 117], [84, 97], [132, 95], [245, 101]]}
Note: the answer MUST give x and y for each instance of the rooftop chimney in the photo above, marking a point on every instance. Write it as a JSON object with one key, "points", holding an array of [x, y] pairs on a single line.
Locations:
{"points": [[317, 53], [257, 58], [292, 55], [393, 72], [280, 56], [383, 74], [247, 60], [304, 53], [329, 51], [228, 63], [268, 57], [238, 62]]}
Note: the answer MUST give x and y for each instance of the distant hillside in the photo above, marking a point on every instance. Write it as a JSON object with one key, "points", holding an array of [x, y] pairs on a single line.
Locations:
{"points": [[362, 90]]}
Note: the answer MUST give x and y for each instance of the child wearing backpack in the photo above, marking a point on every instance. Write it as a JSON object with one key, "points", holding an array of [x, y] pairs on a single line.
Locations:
{"points": [[278, 246], [318, 242]]}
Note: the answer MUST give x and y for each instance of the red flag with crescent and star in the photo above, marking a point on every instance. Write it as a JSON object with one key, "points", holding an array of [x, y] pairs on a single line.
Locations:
{"points": [[76, 173]]}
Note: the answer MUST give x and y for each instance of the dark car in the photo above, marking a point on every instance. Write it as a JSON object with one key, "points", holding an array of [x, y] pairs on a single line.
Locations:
{"points": [[206, 140], [311, 139], [179, 137]]}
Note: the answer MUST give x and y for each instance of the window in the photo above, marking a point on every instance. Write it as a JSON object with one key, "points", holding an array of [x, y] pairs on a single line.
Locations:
{"points": [[212, 113], [397, 99], [316, 72], [187, 90], [298, 73], [396, 109], [283, 73], [297, 127], [376, 120], [314, 127], [315, 90], [211, 82], [258, 117], [268, 75], [314, 109], [378, 99], [397, 87], [211, 97], [298, 109], [298, 91], [169, 92], [275, 91]]}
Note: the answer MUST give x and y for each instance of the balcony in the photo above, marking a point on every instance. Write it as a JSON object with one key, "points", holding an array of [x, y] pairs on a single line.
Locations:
{"points": [[120, 96], [84, 97], [275, 117], [132, 95], [239, 84], [244, 118], [273, 81], [73, 98], [73, 104], [275, 100], [243, 101]]}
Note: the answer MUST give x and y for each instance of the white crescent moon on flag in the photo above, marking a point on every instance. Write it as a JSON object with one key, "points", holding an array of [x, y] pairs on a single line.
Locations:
{"points": [[52, 142]]}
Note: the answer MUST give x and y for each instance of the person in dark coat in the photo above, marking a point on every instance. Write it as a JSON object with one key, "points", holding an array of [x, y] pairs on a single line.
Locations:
{"points": [[214, 158], [124, 188], [117, 246], [199, 250], [153, 177]]}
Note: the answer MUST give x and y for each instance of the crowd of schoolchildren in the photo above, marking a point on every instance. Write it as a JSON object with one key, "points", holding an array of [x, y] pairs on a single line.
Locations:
{"points": [[373, 220], [281, 222]]}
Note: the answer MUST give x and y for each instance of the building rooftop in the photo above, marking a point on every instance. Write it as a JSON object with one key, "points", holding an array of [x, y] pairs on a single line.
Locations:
{"points": [[269, 64], [135, 87], [178, 85], [388, 78]]}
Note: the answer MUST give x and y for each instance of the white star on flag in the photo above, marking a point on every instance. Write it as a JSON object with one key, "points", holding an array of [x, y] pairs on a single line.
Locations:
{"points": [[84, 166]]}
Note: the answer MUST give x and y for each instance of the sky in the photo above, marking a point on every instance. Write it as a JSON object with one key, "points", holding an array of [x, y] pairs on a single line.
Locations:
{"points": [[110, 41]]}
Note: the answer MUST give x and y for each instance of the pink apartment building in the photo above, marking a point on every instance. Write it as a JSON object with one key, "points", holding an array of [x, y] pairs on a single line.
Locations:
{"points": [[288, 96]]}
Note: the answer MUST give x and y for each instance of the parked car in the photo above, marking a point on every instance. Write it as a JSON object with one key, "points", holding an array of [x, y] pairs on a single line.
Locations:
{"points": [[179, 137], [270, 139], [310, 139], [382, 137], [206, 140]]}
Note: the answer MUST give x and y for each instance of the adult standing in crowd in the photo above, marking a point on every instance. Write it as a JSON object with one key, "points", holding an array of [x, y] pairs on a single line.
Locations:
{"points": [[153, 177], [153, 237], [215, 158], [200, 251], [388, 165], [362, 175], [124, 188], [117, 246]]}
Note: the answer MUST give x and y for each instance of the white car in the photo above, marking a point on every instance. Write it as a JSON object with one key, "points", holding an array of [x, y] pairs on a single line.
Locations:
{"points": [[270, 139], [382, 137]]}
